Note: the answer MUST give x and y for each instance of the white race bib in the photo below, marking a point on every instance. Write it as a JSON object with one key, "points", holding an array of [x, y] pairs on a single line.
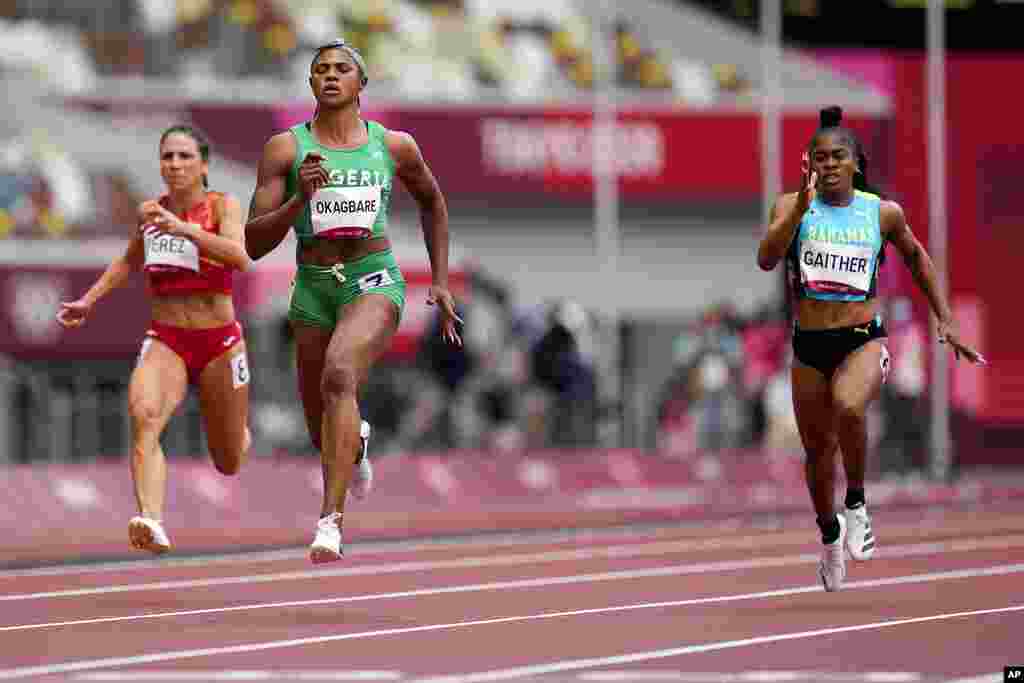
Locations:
{"points": [[838, 268], [169, 251], [239, 370], [381, 278], [345, 211]]}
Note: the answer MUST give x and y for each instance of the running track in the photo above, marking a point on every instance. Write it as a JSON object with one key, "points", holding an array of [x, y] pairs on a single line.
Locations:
{"points": [[736, 601]]}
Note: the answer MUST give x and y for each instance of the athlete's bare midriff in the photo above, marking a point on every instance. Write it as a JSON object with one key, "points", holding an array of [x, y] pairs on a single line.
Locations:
{"points": [[194, 311], [324, 252], [813, 314]]}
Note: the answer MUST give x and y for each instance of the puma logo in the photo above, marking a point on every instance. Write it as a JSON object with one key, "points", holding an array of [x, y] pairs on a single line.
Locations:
{"points": [[863, 330], [229, 341]]}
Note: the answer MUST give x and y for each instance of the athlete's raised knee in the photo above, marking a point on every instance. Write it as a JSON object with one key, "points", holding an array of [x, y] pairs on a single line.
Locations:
{"points": [[339, 379]]}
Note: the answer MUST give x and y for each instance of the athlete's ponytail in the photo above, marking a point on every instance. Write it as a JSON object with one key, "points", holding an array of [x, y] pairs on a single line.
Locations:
{"points": [[831, 120], [830, 117], [830, 123]]}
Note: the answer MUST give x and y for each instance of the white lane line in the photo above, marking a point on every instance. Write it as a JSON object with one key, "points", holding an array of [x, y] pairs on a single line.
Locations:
{"points": [[111, 662], [583, 554], [577, 664], [637, 675], [476, 562], [242, 675], [472, 541], [543, 582], [762, 528], [675, 570]]}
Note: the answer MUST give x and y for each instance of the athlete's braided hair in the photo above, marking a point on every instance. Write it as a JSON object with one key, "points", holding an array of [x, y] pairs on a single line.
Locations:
{"points": [[202, 142], [831, 124]]}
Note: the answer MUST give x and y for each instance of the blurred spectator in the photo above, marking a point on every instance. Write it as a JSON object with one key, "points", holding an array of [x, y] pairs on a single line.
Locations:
{"points": [[903, 442], [423, 49], [780, 429], [448, 366], [159, 20], [43, 192], [704, 405], [562, 365], [638, 66], [27, 46]]}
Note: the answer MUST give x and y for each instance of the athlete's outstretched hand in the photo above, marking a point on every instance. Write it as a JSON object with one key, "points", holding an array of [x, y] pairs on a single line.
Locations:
{"points": [[808, 184], [948, 334], [312, 174], [74, 313], [443, 298]]}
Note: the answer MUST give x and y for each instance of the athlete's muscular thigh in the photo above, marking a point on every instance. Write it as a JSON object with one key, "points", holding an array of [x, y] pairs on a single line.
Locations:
{"points": [[364, 331], [812, 405], [311, 343], [858, 379], [224, 403], [158, 383]]}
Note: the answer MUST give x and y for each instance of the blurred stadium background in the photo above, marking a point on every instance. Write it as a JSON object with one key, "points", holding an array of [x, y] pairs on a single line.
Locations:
{"points": [[632, 322]]}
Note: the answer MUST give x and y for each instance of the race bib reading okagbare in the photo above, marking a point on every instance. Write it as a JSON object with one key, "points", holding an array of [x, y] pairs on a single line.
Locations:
{"points": [[345, 212]]}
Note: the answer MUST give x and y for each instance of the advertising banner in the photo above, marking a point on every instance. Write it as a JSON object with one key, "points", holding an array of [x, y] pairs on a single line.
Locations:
{"points": [[31, 300], [544, 154]]}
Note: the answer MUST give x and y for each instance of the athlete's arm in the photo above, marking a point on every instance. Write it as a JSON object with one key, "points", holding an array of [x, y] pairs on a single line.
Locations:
{"points": [[228, 247], [417, 178], [270, 216], [784, 219], [74, 313], [895, 229], [783, 222], [412, 169]]}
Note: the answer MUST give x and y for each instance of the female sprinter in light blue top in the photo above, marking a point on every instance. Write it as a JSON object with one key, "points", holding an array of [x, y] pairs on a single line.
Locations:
{"points": [[832, 234]]}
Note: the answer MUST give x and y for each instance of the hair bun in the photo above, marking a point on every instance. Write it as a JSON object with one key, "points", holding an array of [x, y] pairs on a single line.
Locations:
{"points": [[831, 117]]}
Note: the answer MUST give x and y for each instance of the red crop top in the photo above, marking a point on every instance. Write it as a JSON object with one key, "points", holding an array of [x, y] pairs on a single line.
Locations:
{"points": [[174, 265]]}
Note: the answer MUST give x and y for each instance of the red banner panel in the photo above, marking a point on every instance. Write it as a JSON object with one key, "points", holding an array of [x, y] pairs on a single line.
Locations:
{"points": [[545, 154]]}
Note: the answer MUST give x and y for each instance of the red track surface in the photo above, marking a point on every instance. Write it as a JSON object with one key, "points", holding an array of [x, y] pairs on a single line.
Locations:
{"points": [[941, 601]]}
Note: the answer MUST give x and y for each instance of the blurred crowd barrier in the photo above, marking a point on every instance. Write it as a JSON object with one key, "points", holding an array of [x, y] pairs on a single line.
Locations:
{"points": [[271, 503]]}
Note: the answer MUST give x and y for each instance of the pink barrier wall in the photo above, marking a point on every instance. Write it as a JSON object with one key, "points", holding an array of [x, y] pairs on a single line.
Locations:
{"points": [[77, 512]]}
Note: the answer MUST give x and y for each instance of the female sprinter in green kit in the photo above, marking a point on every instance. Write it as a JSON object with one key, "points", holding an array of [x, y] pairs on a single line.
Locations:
{"points": [[330, 179]]}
